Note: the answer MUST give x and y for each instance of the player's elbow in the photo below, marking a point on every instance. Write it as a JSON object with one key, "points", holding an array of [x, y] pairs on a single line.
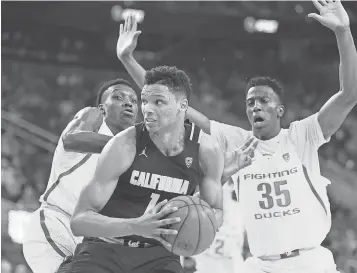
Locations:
{"points": [[69, 142]]}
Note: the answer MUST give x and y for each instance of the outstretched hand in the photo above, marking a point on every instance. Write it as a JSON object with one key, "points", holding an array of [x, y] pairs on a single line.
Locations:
{"points": [[239, 158], [128, 37], [332, 14]]}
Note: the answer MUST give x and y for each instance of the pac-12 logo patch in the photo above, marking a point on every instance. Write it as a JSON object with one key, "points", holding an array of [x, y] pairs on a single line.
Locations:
{"points": [[286, 157], [188, 161]]}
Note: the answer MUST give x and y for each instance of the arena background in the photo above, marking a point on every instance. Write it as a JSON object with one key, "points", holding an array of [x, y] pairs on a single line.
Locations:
{"points": [[56, 54]]}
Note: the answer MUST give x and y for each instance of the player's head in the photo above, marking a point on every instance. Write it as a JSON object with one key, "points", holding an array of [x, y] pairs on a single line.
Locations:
{"points": [[264, 106], [164, 98], [119, 103]]}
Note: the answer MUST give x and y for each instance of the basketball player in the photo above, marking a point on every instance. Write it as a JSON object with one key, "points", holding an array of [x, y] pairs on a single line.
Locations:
{"points": [[225, 255], [48, 237], [118, 212], [282, 194]]}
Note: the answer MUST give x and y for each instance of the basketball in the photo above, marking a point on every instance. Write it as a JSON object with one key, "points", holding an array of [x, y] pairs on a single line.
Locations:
{"points": [[197, 228]]}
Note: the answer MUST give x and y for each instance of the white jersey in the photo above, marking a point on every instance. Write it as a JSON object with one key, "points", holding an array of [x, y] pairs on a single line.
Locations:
{"points": [[226, 252], [70, 172], [282, 194]]}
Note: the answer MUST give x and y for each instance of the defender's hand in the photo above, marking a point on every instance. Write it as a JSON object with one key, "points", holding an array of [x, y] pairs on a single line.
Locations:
{"points": [[332, 14], [128, 37], [239, 158], [152, 224], [92, 115]]}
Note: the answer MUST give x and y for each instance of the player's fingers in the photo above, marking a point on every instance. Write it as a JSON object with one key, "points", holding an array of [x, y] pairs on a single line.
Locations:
{"points": [[166, 211], [134, 24], [121, 29], [126, 24], [253, 145], [131, 22], [323, 2], [246, 144], [163, 242], [158, 206], [164, 231], [329, 1], [249, 152], [136, 35], [170, 221], [247, 161], [317, 4]]}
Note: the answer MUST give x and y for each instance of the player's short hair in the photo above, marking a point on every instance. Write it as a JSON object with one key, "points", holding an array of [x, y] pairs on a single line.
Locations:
{"points": [[177, 80], [266, 81], [108, 84]]}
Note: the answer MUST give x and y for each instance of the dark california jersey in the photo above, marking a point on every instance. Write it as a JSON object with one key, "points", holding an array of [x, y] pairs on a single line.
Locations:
{"points": [[154, 177]]}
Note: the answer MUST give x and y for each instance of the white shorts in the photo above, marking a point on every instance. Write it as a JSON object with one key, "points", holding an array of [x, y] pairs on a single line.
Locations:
{"points": [[48, 239], [316, 260]]}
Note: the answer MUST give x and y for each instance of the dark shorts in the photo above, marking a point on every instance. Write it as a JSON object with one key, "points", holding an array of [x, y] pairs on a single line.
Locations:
{"points": [[101, 257]]}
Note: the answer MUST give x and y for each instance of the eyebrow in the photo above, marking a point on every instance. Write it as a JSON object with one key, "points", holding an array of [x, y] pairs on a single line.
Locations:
{"points": [[124, 92], [257, 97]]}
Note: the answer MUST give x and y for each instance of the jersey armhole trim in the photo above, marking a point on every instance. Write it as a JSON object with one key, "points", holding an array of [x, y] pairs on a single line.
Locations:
{"points": [[71, 170], [313, 189]]}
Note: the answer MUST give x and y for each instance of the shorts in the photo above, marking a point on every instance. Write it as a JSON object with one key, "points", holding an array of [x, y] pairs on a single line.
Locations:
{"points": [[48, 240], [316, 260], [102, 257]]}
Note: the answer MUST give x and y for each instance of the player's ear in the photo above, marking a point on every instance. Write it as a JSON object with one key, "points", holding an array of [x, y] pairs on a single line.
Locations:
{"points": [[101, 108], [184, 105], [281, 110]]}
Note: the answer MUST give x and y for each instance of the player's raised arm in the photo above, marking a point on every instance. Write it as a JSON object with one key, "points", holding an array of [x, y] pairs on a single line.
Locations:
{"points": [[336, 109], [81, 134], [212, 163], [126, 44]]}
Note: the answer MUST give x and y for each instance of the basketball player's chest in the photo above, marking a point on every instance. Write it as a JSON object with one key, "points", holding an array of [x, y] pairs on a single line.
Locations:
{"points": [[152, 172], [272, 180]]}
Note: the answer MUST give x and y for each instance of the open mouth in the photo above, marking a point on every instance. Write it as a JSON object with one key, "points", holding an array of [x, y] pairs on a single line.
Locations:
{"points": [[258, 120]]}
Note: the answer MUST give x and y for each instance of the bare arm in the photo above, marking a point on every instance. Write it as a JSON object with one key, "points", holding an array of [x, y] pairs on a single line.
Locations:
{"points": [[199, 119], [116, 158], [80, 134], [212, 163], [135, 70], [334, 112], [127, 41]]}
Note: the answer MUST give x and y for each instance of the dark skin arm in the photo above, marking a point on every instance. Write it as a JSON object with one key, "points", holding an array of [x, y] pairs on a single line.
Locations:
{"points": [[212, 164], [81, 134]]}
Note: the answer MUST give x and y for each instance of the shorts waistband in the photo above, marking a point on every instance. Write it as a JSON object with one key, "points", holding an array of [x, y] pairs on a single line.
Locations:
{"points": [[285, 255], [119, 241]]}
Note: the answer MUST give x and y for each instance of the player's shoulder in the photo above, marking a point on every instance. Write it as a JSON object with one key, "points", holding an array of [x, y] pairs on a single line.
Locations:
{"points": [[128, 135], [209, 147]]}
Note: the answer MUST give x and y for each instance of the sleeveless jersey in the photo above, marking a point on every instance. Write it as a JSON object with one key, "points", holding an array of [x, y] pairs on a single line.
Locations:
{"points": [[284, 203], [154, 177], [226, 251], [70, 172]]}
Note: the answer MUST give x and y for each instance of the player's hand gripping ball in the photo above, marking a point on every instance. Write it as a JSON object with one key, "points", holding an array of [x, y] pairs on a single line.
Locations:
{"points": [[197, 228]]}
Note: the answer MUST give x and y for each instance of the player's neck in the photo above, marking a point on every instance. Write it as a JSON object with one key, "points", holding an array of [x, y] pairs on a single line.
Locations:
{"points": [[267, 133], [171, 141], [116, 128]]}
